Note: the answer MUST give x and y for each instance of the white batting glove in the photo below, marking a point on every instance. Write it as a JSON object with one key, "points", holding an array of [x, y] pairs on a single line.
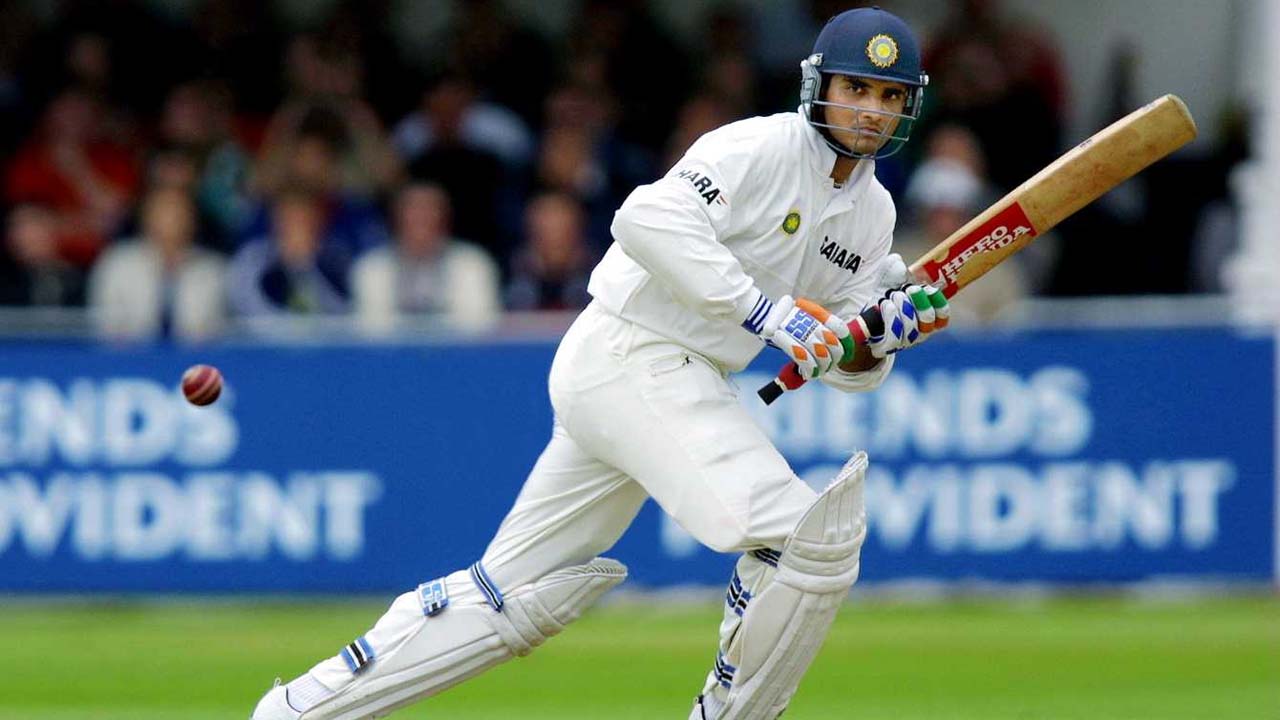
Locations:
{"points": [[911, 311], [810, 335]]}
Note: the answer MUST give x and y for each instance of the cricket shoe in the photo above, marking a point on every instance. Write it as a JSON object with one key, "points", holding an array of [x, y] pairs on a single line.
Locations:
{"points": [[275, 705]]}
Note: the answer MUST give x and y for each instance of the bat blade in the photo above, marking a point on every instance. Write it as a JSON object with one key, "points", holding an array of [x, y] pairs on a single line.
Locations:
{"points": [[1082, 175]]}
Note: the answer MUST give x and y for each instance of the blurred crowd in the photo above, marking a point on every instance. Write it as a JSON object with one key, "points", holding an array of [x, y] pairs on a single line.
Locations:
{"points": [[177, 171]]}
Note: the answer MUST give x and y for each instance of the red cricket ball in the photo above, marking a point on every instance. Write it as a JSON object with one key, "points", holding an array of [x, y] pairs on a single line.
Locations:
{"points": [[202, 384]]}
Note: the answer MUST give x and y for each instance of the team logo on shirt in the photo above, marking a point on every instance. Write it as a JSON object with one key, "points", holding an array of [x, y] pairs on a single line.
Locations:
{"points": [[841, 258], [791, 223], [702, 184], [883, 51]]}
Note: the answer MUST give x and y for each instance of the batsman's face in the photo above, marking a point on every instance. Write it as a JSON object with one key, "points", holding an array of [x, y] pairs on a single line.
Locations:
{"points": [[868, 123]]}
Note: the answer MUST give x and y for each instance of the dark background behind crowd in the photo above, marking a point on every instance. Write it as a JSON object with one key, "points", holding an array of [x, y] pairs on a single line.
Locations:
{"points": [[175, 171]]}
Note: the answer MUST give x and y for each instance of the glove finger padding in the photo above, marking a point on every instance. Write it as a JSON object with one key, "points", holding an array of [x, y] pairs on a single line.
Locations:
{"points": [[941, 307], [925, 314]]}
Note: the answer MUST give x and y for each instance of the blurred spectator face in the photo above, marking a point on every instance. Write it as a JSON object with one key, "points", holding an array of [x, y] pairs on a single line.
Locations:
{"points": [[446, 104], [297, 223], [71, 118], [565, 162], [941, 221], [945, 193], [169, 221], [187, 116], [316, 70], [554, 223], [731, 77], [314, 164], [576, 106], [172, 168], [976, 75], [422, 220], [698, 116], [89, 60], [958, 144], [32, 236]]}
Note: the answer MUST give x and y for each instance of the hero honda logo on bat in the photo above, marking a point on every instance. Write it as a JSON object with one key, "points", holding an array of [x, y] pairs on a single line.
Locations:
{"points": [[1004, 229]]}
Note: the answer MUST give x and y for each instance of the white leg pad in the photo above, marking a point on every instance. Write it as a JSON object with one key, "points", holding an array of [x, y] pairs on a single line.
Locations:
{"points": [[784, 626], [418, 656]]}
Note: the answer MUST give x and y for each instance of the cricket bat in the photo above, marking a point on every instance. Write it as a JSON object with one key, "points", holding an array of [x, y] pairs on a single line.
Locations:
{"points": [[1086, 172]]}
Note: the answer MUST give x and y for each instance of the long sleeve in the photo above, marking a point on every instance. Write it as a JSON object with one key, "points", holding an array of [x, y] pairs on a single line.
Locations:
{"points": [[672, 229]]}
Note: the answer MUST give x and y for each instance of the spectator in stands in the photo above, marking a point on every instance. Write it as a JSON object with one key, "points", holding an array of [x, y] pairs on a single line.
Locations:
{"points": [[552, 268], [427, 273], [582, 155], [197, 121], [311, 147], [32, 273], [467, 152], [160, 284], [617, 46], [71, 168], [698, 116], [1002, 78], [945, 192], [294, 269], [511, 64], [451, 110], [729, 73]]}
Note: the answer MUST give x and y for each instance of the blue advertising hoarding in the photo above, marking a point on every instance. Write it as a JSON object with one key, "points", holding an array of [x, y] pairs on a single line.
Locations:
{"points": [[1064, 456]]}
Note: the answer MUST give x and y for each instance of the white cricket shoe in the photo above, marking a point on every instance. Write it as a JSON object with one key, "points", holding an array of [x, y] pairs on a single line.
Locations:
{"points": [[275, 706]]}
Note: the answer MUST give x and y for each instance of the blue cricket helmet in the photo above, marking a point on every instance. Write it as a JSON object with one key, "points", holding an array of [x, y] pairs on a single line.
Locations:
{"points": [[866, 42]]}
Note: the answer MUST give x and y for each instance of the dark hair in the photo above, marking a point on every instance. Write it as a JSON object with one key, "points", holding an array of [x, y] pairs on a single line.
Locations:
{"points": [[322, 123]]}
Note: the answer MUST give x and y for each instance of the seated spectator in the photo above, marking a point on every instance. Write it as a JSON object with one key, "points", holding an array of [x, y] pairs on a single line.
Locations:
{"points": [[552, 268], [160, 284], [310, 147], [197, 122], [292, 270], [427, 272], [944, 193], [32, 273], [465, 162], [450, 109], [72, 169], [582, 155]]}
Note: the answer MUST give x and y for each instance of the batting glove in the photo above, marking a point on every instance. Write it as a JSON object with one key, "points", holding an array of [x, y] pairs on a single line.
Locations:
{"points": [[911, 314], [814, 338]]}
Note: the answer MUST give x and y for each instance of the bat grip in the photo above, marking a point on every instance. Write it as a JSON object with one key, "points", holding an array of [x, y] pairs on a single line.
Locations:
{"points": [[867, 325]]}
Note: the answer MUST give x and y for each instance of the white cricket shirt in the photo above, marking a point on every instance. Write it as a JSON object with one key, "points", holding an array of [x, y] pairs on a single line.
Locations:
{"points": [[750, 209]]}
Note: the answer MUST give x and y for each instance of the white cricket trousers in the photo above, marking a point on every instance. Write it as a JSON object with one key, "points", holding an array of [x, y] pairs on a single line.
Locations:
{"points": [[639, 416]]}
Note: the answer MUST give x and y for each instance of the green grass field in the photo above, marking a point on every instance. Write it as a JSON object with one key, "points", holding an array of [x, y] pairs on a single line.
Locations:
{"points": [[1085, 659]]}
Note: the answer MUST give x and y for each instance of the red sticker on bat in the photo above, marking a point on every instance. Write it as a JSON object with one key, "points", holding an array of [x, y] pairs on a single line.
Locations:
{"points": [[1003, 229]]}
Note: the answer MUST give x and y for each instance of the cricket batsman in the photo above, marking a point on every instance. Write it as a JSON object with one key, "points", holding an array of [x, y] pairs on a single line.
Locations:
{"points": [[771, 231]]}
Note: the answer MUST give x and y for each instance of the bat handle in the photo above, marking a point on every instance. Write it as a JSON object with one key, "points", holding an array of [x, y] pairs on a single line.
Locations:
{"points": [[867, 325]]}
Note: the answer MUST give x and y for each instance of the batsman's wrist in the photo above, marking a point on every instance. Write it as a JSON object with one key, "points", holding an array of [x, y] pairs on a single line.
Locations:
{"points": [[754, 309]]}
